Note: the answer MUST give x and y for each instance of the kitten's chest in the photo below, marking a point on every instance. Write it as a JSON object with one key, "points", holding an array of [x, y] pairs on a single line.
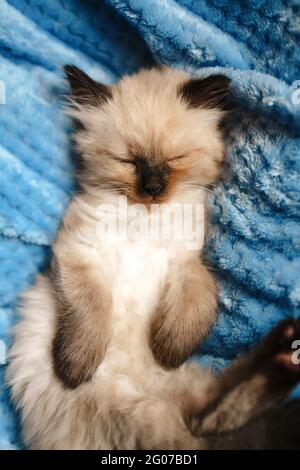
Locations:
{"points": [[136, 246], [138, 269]]}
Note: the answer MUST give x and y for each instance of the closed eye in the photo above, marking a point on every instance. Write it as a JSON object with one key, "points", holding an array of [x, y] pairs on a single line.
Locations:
{"points": [[179, 157], [124, 160], [187, 153]]}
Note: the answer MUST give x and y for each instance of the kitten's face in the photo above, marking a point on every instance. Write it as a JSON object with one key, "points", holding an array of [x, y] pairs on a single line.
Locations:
{"points": [[152, 134]]}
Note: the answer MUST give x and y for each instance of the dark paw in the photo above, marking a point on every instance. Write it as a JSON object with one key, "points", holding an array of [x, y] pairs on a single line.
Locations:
{"points": [[282, 346], [288, 346], [72, 365], [165, 354], [170, 346], [70, 374]]}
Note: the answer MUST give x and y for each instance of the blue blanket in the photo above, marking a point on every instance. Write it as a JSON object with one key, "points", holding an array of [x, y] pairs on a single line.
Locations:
{"points": [[254, 240]]}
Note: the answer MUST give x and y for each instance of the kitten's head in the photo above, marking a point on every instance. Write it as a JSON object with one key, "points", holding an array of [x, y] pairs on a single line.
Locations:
{"points": [[150, 135]]}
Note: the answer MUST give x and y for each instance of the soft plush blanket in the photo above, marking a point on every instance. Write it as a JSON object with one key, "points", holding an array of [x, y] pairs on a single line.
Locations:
{"points": [[254, 240]]}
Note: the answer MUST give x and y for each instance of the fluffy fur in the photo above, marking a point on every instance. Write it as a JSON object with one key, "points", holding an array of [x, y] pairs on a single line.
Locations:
{"points": [[137, 404], [89, 364], [145, 138]]}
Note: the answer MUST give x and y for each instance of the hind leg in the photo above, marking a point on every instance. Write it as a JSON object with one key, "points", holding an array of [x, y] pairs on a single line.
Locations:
{"points": [[151, 420], [187, 386], [160, 425], [254, 384]]}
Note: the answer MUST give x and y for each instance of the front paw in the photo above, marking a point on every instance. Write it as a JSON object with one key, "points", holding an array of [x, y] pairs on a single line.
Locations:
{"points": [[73, 362], [172, 341], [164, 349]]}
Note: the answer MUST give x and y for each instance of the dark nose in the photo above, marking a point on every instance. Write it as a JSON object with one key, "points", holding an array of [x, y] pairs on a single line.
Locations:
{"points": [[153, 185]]}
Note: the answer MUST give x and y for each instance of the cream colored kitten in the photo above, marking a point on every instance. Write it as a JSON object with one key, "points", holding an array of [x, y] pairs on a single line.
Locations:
{"points": [[154, 138], [93, 363], [90, 362]]}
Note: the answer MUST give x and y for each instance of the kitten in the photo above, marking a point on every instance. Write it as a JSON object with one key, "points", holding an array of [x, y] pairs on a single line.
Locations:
{"points": [[97, 358], [154, 138]]}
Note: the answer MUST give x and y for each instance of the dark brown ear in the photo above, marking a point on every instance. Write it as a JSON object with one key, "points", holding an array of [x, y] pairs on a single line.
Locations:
{"points": [[211, 92], [85, 90]]}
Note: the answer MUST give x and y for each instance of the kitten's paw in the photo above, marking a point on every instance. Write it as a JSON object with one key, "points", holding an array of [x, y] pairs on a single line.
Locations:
{"points": [[171, 343], [282, 346], [165, 350], [288, 346], [73, 364]]}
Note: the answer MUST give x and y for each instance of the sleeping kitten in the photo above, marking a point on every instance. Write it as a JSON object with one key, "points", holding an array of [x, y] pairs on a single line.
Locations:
{"points": [[154, 138], [96, 362]]}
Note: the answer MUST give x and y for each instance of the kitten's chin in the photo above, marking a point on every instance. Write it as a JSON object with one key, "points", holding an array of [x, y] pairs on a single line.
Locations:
{"points": [[181, 194], [188, 195], [149, 200]]}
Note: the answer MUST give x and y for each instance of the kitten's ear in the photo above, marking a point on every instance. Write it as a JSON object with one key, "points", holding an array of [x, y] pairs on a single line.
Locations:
{"points": [[85, 90], [211, 92]]}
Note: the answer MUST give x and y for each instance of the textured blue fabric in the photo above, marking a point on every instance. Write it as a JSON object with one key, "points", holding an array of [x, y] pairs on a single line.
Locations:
{"points": [[254, 240]]}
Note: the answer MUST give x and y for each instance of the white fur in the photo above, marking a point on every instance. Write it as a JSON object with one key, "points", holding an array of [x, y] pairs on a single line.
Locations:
{"points": [[51, 414], [131, 402]]}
